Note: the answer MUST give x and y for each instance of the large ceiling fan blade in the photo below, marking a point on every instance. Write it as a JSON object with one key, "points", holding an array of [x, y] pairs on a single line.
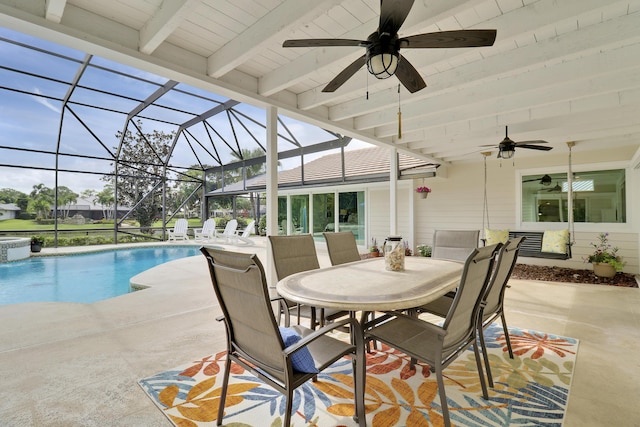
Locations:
{"points": [[345, 74], [323, 42], [534, 147], [392, 15], [536, 141], [409, 76], [449, 39]]}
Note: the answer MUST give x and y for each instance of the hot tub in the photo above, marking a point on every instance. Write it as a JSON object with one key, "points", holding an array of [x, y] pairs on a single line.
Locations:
{"points": [[14, 248]]}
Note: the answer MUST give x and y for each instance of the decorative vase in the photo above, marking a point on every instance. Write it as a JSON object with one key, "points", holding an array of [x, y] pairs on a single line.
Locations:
{"points": [[423, 195], [602, 269]]}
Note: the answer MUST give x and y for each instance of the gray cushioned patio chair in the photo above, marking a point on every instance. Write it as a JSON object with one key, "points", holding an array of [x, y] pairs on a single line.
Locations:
{"points": [[454, 244], [342, 247], [293, 254], [493, 302], [254, 340], [435, 345]]}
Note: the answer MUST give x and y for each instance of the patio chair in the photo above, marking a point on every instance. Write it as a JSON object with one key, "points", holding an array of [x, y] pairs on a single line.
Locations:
{"points": [[492, 306], [180, 229], [342, 247], [284, 358], [229, 233], [293, 254], [435, 345], [454, 245], [207, 232], [246, 233]]}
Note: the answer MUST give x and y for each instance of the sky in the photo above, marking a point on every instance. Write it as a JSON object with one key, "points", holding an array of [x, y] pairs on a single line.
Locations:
{"points": [[32, 116]]}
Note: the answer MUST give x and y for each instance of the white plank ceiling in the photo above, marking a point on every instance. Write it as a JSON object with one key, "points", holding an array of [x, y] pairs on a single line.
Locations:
{"points": [[559, 71]]}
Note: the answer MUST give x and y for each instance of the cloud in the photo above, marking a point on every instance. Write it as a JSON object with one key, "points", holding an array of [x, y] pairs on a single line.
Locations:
{"points": [[44, 101]]}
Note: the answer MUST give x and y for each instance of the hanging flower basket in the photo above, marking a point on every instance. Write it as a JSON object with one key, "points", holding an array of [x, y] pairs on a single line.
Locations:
{"points": [[423, 192]]}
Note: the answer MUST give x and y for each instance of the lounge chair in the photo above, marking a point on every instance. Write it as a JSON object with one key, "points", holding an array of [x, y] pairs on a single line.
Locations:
{"points": [[207, 232], [179, 231], [246, 233], [229, 233]]}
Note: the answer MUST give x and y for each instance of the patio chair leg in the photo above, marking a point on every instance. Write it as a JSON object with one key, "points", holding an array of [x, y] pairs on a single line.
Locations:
{"points": [[506, 335]]}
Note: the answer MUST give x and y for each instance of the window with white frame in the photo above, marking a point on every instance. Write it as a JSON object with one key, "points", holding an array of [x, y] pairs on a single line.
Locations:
{"points": [[598, 197]]}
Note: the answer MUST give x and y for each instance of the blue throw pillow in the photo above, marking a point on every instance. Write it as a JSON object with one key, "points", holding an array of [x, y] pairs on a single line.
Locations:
{"points": [[301, 360]]}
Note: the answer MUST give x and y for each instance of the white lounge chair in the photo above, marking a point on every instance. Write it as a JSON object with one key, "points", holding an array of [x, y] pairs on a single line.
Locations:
{"points": [[246, 233], [207, 232], [229, 233], [179, 231]]}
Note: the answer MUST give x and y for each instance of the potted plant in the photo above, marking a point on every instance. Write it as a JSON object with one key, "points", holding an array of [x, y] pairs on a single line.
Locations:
{"points": [[423, 191], [37, 242], [605, 259], [373, 249], [425, 250]]}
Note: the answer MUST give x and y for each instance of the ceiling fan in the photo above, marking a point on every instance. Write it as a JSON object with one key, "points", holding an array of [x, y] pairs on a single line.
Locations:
{"points": [[382, 54], [544, 180], [507, 148]]}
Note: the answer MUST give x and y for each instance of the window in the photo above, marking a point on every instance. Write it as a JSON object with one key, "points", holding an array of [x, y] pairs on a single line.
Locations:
{"points": [[598, 196]]}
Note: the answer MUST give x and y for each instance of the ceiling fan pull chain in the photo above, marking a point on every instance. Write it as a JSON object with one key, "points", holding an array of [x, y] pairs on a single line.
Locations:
{"points": [[399, 116], [367, 78]]}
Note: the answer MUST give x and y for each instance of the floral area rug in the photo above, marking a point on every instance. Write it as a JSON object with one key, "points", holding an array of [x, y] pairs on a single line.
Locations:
{"points": [[530, 390]]}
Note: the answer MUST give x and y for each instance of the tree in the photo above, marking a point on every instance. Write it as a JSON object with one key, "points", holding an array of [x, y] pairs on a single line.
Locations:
{"points": [[106, 201], [42, 197], [184, 188], [251, 171], [9, 195], [65, 198], [141, 172]]}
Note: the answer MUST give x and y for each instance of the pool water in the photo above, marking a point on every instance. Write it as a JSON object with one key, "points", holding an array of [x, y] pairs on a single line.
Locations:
{"points": [[83, 278]]}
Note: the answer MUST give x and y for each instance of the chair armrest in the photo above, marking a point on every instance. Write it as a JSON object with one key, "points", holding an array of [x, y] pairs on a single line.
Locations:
{"points": [[354, 328], [391, 314]]}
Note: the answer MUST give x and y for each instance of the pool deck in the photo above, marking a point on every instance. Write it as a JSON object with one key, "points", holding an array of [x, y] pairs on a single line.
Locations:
{"points": [[67, 364]]}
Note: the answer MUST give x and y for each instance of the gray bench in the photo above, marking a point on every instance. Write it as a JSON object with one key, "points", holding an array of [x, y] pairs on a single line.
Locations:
{"points": [[532, 245]]}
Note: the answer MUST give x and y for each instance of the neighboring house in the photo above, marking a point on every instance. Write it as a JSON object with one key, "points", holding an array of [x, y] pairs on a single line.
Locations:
{"points": [[89, 210], [8, 211]]}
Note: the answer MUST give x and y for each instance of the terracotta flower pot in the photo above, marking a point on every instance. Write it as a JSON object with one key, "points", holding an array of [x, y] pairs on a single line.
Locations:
{"points": [[602, 269]]}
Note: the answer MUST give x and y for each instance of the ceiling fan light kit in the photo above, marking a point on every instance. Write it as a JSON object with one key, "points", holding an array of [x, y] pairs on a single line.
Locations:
{"points": [[383, 65], [506, 150]]}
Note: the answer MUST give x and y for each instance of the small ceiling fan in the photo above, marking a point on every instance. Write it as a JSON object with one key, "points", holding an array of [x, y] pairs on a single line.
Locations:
{"points": [[507, 148], [544, 180], [382, 54], [555, 189]]}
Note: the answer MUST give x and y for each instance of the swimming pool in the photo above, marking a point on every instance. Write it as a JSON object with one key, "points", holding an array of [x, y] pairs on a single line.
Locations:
{"points": [[83, 278]]}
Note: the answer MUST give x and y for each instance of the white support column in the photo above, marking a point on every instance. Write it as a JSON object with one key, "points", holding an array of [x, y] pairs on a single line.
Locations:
{"points": [[393, 192], [272, 187]]}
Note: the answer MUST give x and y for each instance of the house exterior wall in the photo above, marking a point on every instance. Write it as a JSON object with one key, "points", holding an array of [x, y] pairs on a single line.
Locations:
{"points": [[379, 217], [457, 202]]}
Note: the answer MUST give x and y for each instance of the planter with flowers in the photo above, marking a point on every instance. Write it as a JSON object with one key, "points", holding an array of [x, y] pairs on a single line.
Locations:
{"points": [[37, 242], [605, 259], [374, 251], [423, 191]]}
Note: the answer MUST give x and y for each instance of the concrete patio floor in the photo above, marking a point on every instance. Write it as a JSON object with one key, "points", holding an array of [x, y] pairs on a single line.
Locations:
{"points": [[66, 364]]}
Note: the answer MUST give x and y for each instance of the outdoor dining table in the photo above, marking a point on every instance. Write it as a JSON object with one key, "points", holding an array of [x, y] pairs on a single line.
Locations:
{"points": [[367, 286]]}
